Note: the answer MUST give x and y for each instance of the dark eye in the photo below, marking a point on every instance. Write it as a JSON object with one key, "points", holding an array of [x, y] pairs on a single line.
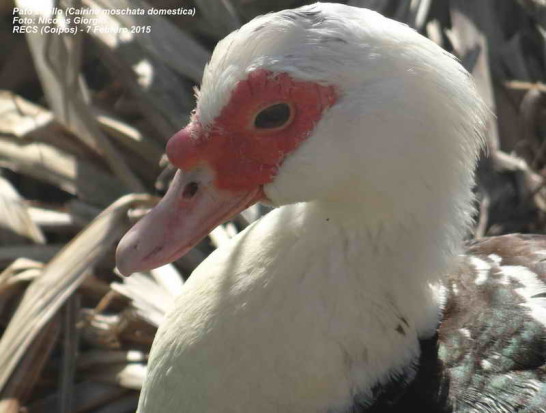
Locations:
{"points": [[273, 116]]}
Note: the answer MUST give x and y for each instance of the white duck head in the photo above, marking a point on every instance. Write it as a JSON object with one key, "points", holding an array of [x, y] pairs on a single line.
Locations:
{"points": [[328, 105]]}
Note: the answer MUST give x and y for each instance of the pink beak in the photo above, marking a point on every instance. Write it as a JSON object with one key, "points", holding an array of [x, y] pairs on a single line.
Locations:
{"points": [[191, 208]]}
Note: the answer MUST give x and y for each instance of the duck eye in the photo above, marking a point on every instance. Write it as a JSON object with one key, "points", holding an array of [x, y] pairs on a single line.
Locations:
{"points": [[273, 117]]}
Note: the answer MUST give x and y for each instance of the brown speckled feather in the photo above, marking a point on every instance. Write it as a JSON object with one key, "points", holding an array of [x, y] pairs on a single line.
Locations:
{"points": [[489, 354]]}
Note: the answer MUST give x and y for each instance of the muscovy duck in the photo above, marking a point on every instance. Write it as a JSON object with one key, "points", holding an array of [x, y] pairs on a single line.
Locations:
{"points": [[356, 294]]}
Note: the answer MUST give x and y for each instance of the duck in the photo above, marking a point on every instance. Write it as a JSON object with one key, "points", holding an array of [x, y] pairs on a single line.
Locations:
{"points": [[357, 292]]}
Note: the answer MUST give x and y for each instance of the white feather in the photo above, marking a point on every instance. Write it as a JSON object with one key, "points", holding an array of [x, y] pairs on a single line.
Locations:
{"points": [[532, 290], [483, 268]]}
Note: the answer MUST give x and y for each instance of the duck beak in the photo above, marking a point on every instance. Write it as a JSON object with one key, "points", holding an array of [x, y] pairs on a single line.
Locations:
{"points": [[191, 208]]}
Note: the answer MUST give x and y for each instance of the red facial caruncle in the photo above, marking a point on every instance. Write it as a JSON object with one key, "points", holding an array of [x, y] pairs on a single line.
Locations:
{"points": [[240, 152], [224, 165]]}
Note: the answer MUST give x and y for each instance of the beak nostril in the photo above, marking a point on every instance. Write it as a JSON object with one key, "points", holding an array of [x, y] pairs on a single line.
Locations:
{"points": [[190, 190]]}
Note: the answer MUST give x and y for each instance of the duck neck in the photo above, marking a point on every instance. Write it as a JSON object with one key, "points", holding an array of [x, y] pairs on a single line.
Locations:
{"points": [[402, 260]]}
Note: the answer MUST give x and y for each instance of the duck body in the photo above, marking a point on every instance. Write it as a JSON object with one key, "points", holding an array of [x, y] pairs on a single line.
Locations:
{"points": [[268, 324], [492, 340], [489, 351], [262, 350], [355, 294]]}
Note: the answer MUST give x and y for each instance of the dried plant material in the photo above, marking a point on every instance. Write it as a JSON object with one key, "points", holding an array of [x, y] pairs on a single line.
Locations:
{"points": [[472, 47], [54, 81], [15, 220], [418, 13], [152, 295], [31, 143], [88, 395], [49, 164], [141, 153], [533, 182], [70, 343], [96, 359], [520, 85], [83, 212], [93, 287], [20, 386], [126, 404], [19, 267], [530, 107], [17, 70], [536, 9], [109, 331], [169, 279], [508, 117], [61, 73], [377, 5], [514, 59], [151, 63], [165, 42], [101, 331], [59, 279], [231, 229], [51, 220], [132, 139], [191, 260], [136, 329], [249, 215], [41, 253], [219, 236], [434, 32], [20, 270], [221, 15], [30, 122], [137, 214], [20, 117], [130, 376]]}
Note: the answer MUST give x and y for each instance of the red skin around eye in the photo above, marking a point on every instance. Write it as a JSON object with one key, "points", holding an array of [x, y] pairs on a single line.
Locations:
{"points": [[242, 156]]}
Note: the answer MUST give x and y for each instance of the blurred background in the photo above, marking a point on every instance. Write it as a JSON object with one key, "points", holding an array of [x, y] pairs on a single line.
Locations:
{"points": [[84, 117]]}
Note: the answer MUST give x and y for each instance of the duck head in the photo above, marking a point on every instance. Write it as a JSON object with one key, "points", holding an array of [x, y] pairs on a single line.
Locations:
{"points": [[372, 120]]}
